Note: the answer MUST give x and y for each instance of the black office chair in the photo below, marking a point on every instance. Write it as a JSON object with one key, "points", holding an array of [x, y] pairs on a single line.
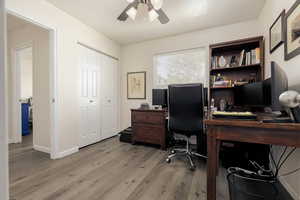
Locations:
{"points": [[185, 117]]}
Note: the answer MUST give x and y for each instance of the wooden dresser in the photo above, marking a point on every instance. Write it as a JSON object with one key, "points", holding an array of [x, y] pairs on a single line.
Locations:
{"points": [[149, 126]]}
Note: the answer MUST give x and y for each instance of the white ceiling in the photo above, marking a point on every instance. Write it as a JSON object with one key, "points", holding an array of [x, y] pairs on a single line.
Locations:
{"points": [[185, 16]]}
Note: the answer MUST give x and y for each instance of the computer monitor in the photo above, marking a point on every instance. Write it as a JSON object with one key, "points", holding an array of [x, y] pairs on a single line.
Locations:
{"points": [[265, 93], [279, 84], [250, 95], [160, 97]]}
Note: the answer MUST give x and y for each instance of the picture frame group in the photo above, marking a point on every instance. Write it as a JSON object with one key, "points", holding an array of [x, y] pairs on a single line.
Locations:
{"points": [[286, 30]]}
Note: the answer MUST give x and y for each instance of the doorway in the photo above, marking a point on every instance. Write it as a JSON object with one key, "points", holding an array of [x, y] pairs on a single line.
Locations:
{"points": [[24, 85], [29, 83], [31, 63]]}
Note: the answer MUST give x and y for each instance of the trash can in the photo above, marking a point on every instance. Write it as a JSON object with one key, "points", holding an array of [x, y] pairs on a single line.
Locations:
{"points": [[244, 185]]}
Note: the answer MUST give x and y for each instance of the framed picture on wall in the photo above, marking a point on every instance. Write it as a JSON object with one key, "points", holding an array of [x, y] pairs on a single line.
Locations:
{"points": [[276, 32], [136, 85], [292, 32]]}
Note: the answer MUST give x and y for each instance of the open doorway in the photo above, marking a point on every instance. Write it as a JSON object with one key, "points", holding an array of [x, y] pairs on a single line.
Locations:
{"points": [[24, 81], [28, 47]]}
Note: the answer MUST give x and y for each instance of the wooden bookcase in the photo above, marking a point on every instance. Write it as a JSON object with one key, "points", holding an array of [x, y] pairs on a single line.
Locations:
{"points": [[235, 72]]}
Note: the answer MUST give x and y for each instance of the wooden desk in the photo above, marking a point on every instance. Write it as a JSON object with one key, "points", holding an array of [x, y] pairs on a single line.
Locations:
{"points": [[244, 131]]}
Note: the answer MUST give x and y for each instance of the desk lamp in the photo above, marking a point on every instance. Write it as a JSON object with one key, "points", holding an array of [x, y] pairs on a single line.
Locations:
{"points": [[291, 99]]}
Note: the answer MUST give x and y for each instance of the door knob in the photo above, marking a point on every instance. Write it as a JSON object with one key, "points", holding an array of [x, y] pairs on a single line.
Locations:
{"points": [[91, 101]]}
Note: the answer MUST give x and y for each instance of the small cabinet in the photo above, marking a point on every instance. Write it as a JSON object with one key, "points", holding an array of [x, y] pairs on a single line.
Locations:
{"points": [[149, 126]]}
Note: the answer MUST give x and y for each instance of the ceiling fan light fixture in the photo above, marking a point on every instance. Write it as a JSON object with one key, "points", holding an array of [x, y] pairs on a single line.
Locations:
{"points": [[132, 13], [157, 4], [153, 15]]}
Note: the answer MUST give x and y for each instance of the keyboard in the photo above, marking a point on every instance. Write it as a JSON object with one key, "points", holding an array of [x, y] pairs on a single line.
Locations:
{"points": [[234, 115]]}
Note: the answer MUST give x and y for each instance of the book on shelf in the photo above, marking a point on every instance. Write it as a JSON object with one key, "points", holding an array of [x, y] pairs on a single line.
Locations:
{"points": [[257, 56], [251, 57], [242, 58], [215, 62]]}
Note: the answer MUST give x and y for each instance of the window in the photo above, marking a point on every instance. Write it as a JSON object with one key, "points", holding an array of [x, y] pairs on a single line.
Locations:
{"points": [[188, 66]]}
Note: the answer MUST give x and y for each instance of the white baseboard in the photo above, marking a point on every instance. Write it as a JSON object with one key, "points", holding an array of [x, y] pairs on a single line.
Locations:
{"points": [[11, 141], [290, 189], [41, 148], [67, 152]]}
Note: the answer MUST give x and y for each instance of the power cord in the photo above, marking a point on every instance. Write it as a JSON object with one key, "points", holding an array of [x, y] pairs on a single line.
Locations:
{"points": [[272, 157], [278, 166], [281, 162], [269, 173], [289, 154], [282, 154], [290, 173]]}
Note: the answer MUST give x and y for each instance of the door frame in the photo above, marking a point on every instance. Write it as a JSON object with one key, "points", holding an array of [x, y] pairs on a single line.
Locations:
{"points": [[54, 125], [4, 182]]}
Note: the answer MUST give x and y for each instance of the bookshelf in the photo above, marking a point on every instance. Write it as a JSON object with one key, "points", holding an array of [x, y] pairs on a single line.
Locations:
{"points": [[235, 63]]}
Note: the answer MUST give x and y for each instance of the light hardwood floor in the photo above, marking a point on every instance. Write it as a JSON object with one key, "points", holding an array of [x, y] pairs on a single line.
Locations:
{"points": [[109, 170]]}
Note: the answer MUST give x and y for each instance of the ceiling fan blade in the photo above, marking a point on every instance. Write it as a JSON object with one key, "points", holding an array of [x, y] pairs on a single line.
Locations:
{"points": [[163, 18], [124, 16]]}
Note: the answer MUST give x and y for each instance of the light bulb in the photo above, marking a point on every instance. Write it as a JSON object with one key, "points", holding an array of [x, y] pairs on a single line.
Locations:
{"points": [[157, 4], [153, 15], [130, 1], [132, 13]]}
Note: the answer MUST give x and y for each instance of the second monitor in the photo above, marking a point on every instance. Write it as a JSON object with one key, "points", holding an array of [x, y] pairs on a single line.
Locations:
{"points": [[160, 97]]}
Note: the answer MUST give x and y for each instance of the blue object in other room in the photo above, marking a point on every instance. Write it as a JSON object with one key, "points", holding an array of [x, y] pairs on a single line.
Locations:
{"points": [[25, 119]]}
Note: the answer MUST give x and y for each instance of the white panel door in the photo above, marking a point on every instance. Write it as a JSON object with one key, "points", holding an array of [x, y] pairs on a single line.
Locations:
{"points": [[109, 93], [89, 97]]}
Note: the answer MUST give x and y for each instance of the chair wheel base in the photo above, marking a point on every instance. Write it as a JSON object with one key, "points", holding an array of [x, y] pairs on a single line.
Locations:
{"points": [[192, 168]]}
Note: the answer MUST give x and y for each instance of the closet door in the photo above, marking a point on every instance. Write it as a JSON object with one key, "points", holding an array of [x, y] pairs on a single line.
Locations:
{"points": [[109, 92], [89, 64]]}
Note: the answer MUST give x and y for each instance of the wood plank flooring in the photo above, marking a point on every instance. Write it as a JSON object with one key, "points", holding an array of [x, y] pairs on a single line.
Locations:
{"points": [[109, 170]]}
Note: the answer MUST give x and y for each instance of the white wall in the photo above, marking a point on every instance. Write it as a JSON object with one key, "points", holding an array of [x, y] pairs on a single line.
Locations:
{"points": [[26, 64], [268, 15], [139, 57], [3, 113], [69, 31], [39, 38]]}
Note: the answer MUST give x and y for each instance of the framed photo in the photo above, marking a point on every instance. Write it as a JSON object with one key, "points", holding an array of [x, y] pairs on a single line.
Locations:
{"points": [[292, 32], [276, 32], [136, 85]]}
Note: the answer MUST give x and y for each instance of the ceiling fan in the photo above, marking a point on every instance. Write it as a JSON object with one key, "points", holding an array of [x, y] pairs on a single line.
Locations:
{"points": [[154, 10]]}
